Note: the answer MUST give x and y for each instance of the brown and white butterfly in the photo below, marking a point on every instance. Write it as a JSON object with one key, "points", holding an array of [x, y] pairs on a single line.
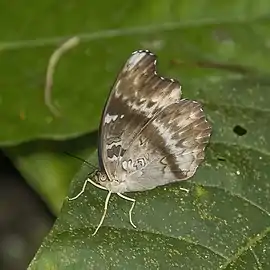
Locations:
{"points": [[149, 136]]}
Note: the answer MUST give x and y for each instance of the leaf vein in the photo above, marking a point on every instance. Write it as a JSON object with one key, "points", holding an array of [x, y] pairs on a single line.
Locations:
{"points": [[111, 33], [56, 236], [242, 147], [251, 243], [240, 197], [236, 106]]}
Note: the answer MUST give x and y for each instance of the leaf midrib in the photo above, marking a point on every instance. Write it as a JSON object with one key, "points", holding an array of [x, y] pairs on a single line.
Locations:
{"points": [[111, 33], [87, 228]]}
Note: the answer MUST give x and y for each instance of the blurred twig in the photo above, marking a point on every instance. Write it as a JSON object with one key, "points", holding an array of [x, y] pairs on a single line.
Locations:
{"points": [[69, 44]]}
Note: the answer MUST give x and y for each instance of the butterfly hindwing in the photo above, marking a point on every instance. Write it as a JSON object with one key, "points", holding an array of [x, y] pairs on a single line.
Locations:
{"points": [[168, 149]]}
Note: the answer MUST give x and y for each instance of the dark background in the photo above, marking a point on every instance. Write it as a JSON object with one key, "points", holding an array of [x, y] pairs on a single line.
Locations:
{"points": [[24, 218]]}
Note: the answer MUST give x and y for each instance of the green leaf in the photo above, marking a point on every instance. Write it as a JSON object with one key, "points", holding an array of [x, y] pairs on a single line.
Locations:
{"points": [[220, 53], [109, 33], [222, 223]]}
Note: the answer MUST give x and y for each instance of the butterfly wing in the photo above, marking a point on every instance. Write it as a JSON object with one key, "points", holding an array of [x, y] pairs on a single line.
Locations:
{"points": [[137, 96], [168, 149]]}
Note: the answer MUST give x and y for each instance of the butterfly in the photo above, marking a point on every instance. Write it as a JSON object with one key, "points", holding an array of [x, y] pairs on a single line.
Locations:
{"points": [[149, 136]]}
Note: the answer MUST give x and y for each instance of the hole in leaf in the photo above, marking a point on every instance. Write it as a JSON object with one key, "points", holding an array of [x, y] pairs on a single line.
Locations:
{"points": [[240, 131], [221, 159]]}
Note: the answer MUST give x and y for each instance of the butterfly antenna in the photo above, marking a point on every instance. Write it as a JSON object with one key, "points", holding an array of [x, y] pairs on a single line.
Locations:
{"points": [[83, 160]]}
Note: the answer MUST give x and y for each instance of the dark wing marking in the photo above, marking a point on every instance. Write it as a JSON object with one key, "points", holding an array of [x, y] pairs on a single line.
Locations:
{"points": [[137, 95]]}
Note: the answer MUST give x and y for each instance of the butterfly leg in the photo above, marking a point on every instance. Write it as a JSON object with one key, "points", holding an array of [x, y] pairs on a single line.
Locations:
{"points": [[83, 188], [131, 208], [104, 213]]}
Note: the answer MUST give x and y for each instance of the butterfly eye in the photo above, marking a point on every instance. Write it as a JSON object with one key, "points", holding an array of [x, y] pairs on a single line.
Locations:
{"points": [[102, 177]]}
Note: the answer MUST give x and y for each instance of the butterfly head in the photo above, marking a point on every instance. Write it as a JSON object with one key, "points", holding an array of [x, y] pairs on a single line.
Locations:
{"points": [[100, 177], [111, 184]]}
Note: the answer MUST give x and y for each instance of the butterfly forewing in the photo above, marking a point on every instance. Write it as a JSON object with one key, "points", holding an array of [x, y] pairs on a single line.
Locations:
{"points": [[137, 96]]}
